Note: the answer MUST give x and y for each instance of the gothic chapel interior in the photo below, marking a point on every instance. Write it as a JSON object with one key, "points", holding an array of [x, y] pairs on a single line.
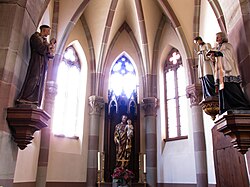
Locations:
{"points": [[113, 58]]}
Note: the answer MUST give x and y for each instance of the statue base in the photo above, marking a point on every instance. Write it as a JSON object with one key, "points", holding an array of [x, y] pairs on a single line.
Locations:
{"points": [[24, 121], [210, 106], [236, 124]]}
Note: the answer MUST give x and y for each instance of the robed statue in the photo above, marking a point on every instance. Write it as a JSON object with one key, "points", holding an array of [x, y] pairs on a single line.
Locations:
{"points": [[41, 51], [227, 76], [122, 137]]}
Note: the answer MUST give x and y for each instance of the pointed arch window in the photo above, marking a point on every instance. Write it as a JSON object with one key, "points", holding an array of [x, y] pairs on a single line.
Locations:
{"points": [[123, 79], [175, 97], [66, 113]]}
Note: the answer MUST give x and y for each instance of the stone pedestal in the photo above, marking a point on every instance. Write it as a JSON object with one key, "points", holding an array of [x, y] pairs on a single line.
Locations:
{"points": [[236, 124], [24, 121]]}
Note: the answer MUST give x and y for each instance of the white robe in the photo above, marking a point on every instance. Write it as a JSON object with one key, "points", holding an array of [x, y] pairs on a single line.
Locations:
{"points": [[226, 67], [205, 66]]}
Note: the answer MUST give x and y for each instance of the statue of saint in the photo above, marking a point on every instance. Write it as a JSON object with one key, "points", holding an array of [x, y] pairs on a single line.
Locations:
{"points": [[130, 133], [227, 76], [41, 50], [205, 68], [122, 138]]}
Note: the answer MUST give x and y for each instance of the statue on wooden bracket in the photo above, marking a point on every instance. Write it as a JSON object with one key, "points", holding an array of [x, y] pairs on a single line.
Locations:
{"points": [[27, 117], [205, 68], [227, 76], [41, 51]]}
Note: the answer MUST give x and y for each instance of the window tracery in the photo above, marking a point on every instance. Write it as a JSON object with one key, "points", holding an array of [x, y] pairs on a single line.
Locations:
{"points": [[175, 96]]}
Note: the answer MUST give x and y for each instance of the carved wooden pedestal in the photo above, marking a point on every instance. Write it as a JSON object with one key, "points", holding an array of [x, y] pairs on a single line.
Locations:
{"points": [[236, 124], [24, 121], [229, 164], [210, 106]]}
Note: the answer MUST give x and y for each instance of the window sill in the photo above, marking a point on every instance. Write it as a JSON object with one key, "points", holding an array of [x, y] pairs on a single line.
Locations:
{"points": [[69, 137], [175, 138]]}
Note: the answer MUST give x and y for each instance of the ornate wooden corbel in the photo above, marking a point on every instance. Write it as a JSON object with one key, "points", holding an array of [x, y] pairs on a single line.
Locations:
{"points": [[24, 121]]}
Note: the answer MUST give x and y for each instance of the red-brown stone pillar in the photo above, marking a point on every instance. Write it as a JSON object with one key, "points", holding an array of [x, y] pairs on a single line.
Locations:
{"points": [[49, 99], [149, 106], [194, 93], [96, 104], [16, 22]]}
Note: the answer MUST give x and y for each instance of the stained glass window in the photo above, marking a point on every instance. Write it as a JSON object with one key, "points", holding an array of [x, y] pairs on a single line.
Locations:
{"points": [[123, 77]]}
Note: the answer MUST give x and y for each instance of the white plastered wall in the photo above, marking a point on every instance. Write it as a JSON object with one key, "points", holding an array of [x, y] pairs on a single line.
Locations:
{"points": [[27, 160], [175, 159]]}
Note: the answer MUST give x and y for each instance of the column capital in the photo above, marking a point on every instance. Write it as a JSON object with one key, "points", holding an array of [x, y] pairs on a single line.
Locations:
{"points": [[96, 104], [50, 92], [51, 88], [194, 92], [149, 105]]}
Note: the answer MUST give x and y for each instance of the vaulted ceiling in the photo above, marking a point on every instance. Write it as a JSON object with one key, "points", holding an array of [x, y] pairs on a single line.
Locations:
{"points": [[106, 18], [142, 19]]}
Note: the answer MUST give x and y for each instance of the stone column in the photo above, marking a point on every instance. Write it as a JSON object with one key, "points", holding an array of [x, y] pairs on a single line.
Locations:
{"points": [[49, 99], [96, 104], [16, 23], [149, 105], [194, 92]]}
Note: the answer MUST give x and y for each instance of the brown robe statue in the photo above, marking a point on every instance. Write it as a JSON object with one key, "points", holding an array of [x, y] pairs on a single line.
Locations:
{"points": [[32, 90]]}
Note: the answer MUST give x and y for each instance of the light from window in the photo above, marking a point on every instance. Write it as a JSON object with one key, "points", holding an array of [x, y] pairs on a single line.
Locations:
{"points": [[66, 102], [123, 77], [175, 57], [181, 81], [172, 118], [183, 115], [170, 85], [176, 110]]}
